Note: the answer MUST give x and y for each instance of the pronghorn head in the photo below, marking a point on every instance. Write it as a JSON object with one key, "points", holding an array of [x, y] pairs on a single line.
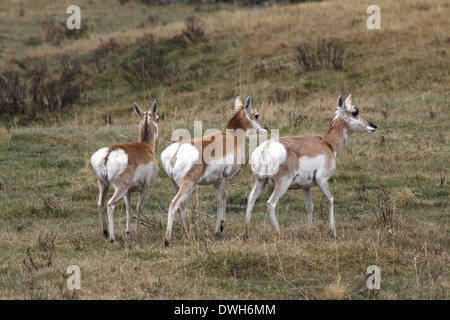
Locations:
{"points": [[354, 120], [246, 118], [148, 125]]}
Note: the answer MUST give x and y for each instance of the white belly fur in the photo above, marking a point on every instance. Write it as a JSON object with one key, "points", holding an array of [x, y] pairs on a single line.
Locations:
{"points": [[216, 170]]}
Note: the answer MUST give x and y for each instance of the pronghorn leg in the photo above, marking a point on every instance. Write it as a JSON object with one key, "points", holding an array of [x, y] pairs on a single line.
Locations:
{"points": [[309, 206], [181, 210], [323, 185], [127, 199], [140, 203], [117, 196], [184, 192], [103, 187], [281, 186], [258, 186], [221, 206]]}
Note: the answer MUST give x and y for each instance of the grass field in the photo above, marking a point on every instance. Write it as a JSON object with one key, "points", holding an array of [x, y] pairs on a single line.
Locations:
{"points": [[390, 188]]}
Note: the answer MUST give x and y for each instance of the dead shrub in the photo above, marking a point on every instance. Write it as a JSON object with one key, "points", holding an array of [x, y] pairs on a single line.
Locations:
{"points": [[194, 28], [325, 54], [13, 93], [106, 49], [148, 64], [43, 257], [56, 32], [151, 21], [386, 207], [5, 136], [36, 89], [295, 120], [361, 191]]}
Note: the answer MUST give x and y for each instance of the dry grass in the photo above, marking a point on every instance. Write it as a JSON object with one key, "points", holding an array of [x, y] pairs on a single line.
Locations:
{"points": [[390, 188]]}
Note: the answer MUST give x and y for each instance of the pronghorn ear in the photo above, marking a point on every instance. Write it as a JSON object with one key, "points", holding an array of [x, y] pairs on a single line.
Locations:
{"points": [[340, 102], [138, 110], [348, 102], [154, 109], [237, 103], [248, 107]]}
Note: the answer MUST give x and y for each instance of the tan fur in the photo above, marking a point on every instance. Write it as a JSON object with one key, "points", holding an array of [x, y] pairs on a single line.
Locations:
{"points": [[318, 155], [237, 128], [138, 154]]}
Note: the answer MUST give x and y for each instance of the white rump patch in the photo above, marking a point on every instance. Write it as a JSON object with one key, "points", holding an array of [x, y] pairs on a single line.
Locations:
{"points": [[98, 163], [267, 158], [186, 155], [116, 164]]}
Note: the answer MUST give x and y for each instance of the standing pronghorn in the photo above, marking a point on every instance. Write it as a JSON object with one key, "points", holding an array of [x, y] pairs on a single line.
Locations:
{"points": [[304, 162], [189, 163], [128, 167]]}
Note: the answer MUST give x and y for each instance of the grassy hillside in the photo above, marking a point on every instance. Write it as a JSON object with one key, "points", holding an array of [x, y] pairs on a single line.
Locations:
{"points": [[390, 188]]}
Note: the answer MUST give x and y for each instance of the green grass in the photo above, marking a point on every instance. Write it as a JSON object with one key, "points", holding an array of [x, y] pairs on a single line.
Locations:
{"points": [[47, 186]]}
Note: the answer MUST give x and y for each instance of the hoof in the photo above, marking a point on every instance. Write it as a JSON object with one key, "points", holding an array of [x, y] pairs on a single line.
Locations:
{"points": [[166, 242], [127, 234], [105, 233], [112, 241], [245, 237]]}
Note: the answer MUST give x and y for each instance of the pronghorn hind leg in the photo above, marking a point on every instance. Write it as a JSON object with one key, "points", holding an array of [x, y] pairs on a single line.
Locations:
{"points": [[323, 185], [181, 210], [127, 199], [258, 186], [103, 190], [185, 190], [281, 186], [117, 196], [221, 205], [309, 206]]}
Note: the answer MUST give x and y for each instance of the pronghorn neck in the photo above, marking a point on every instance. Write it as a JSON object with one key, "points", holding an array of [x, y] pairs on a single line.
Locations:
{"points": [[239, 121], [337, 135], [147, 134]]}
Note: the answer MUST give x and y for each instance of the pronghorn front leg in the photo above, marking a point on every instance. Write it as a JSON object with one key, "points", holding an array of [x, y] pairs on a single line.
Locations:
{"points": [[139, 207], [127, 199], [184, 192], [221, 205], [323, 185], [309, 206]]}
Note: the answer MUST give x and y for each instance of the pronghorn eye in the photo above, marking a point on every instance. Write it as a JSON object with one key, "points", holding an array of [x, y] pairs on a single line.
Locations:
{"points": [[256, 116], [355, 113]]}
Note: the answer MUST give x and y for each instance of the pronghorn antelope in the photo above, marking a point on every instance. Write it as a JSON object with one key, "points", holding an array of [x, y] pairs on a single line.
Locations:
{"points": [[304, 162], [128, 167], [189, 163]]}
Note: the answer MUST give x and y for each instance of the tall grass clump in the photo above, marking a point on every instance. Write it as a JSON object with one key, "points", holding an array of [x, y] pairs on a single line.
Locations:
{"points": [[324, 54]]}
